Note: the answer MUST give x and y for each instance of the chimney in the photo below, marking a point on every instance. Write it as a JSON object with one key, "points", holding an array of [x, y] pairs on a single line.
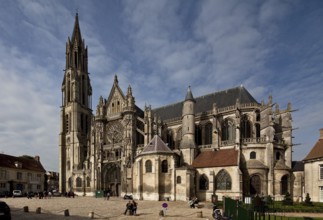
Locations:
{"points": [[321, 133], [37, 158]]}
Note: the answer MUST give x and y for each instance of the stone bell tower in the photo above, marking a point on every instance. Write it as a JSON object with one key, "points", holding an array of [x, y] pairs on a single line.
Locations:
{"points": [[187, 145], [76, 112]]}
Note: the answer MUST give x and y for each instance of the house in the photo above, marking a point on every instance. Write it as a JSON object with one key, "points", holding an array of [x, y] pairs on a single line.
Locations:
{"points": [[23, 173], [313, 167]]}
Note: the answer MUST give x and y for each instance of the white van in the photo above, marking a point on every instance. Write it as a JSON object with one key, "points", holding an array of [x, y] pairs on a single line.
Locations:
{"points": [[16, 193]]}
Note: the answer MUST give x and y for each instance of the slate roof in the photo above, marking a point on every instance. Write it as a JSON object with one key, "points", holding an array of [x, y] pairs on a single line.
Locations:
{"points": [[255, 164], [204, 103], [220, 158], [316, 152], [28, 163], [297, 166], [156, 145]]}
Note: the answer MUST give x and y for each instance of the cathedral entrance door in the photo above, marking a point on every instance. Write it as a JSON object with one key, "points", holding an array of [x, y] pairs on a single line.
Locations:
{"points": [[112, 178]]}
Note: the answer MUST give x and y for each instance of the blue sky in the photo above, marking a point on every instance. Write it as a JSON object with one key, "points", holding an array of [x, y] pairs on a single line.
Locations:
{"points": [[159, 48]]}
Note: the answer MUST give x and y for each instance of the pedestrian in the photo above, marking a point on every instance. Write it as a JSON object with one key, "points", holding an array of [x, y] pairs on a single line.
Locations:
{"points": [[108, 194], [134, 207]]}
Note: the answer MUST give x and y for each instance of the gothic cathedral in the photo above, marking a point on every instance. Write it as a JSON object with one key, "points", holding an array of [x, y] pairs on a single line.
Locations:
{"points": [[224, 143]]}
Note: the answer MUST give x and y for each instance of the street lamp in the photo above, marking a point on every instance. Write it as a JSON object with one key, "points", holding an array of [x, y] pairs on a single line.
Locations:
{"points": [[84, 193]]}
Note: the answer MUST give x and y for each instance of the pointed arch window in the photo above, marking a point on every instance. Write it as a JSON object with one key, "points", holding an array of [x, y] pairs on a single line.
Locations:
{"points": [[245, 127], [208, 133], [170, 138], [284, 185], [198, 135], [178, 179], [257, 130], [223, 181], [88, 181], [164, 166], [228, 130], [78, 182], [277, 155], [204, 183], [70, 184], [255, 185], [148, 166], [253, 155]]}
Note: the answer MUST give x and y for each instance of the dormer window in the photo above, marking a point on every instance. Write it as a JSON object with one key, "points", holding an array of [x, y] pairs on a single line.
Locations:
{"points": [[18, 164]]}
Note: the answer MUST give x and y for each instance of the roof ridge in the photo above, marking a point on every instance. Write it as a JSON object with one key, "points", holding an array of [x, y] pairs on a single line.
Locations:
{"points": [[199, 97]]}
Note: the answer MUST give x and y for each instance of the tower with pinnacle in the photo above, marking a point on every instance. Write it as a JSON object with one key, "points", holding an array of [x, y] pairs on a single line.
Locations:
{"points": [[76, 112]]}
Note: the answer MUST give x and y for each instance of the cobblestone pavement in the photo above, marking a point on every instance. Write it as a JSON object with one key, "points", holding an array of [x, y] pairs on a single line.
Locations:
{"points": [[99, 208], [83, 207]]}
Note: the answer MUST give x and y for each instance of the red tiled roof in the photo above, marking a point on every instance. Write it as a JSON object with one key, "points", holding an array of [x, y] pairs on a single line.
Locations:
{"points": [[316, 152], [220, 158], [28, 163]]}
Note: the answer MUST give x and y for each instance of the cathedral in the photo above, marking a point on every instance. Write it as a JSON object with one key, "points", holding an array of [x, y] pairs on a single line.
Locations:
{"points": [[225, 143]]}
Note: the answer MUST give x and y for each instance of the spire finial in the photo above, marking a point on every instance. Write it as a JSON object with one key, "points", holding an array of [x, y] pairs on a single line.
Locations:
{"points": [[115, 79], [189, 95]]}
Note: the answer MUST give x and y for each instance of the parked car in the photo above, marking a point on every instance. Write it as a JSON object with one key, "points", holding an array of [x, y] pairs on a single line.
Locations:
{"points": [[126, 196], [4, 194], [56, 193], [5, 213], [16, 193]]}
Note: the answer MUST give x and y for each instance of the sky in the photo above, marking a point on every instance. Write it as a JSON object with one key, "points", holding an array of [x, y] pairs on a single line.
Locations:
{"points": [[158, 47]]}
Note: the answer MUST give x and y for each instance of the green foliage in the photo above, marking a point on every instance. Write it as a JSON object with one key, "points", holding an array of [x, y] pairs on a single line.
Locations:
{"points": [[288, 199], [308, 200]]}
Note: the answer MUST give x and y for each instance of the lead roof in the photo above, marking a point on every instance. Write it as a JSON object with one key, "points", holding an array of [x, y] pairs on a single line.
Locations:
{"points": [[205, 103]]}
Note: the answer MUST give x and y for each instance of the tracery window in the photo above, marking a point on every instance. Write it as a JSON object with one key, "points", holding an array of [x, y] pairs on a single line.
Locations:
{"points": [[148, 166], [223, 181], [204, 183], [164, 166], [114, 132], [245, 127], [208, 133], [228, 130]]}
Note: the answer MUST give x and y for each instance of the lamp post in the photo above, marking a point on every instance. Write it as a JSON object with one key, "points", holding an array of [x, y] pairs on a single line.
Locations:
{"points": [[84, 192]]}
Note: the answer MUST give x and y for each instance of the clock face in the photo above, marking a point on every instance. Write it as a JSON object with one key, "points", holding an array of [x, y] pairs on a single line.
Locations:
{"points": [[114, 132]]}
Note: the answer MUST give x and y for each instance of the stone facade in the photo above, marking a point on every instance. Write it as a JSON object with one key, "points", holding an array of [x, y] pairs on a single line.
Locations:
{"points": [[225, 143], [313, 164]]}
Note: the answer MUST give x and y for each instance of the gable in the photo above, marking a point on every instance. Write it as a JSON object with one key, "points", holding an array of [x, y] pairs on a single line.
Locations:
{"points": [[116, 99], [316, 152]]}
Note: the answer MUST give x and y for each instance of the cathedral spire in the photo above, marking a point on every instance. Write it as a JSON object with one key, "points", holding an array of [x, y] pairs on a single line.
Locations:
{"points": [[76, 36]]}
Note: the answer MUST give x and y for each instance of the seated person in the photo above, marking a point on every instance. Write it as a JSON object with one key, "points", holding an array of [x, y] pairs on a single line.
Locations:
{"points": [[129, 207], [134, 207]]}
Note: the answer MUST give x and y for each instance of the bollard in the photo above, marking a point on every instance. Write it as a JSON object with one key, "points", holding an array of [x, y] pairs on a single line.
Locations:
{"points": [[91, 214], [199, 214], [66, 212], [38, 210], [26, 209]]}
